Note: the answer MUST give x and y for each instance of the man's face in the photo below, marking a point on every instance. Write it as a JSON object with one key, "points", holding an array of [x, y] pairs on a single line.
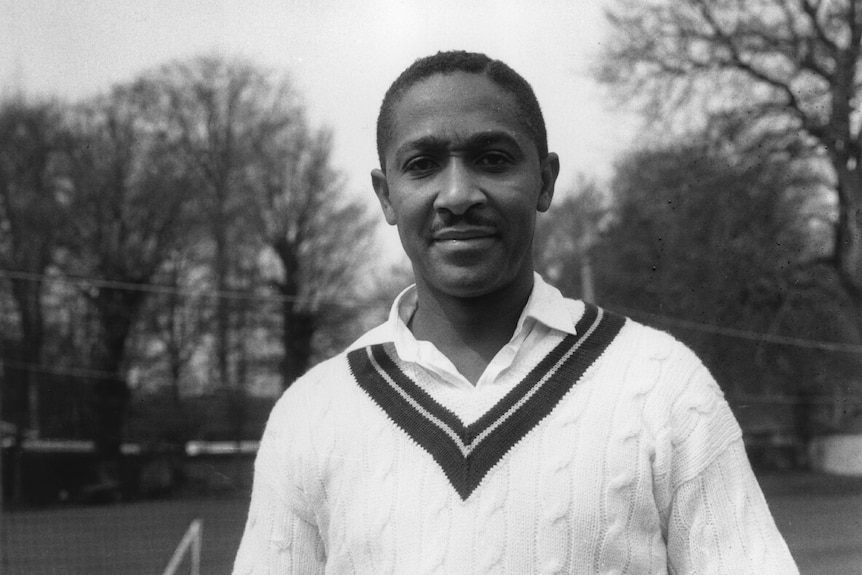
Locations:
{"points": [[463, 183]]}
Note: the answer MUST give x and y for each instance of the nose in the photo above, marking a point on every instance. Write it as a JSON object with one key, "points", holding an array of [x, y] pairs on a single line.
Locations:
{"points": [[459, 189]]}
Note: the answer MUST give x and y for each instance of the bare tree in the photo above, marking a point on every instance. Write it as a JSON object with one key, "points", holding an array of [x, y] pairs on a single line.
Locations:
{"points": [[127, 195], [217, 111], [31, 211], [783, 73], [319, 236], [175, 323], [266, 181], [196, 196]]}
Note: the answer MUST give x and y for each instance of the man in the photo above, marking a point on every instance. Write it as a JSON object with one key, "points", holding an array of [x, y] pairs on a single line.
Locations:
{"points": [[492, 426]]}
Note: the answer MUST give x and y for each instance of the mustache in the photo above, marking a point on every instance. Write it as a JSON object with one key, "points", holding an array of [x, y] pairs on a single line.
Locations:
{"points": [[467, 219]]}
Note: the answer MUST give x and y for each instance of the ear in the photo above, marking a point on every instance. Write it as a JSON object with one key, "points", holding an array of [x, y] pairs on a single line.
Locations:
{"points": [[550, 170], [381, 189]]}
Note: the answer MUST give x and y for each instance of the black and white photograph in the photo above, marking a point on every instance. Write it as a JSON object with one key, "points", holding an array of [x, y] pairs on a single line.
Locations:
{"points": [[513, 287]]}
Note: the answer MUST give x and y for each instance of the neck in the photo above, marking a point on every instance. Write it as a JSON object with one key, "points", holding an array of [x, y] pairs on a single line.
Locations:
{"points": [[470, 331]]}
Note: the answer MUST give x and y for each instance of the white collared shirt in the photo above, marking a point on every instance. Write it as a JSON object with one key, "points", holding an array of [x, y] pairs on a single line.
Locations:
{"points": [[544, 315]]}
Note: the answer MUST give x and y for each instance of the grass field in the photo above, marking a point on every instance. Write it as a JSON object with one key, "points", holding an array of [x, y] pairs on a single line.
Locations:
{"points": [[128, 539], [820, 516]]}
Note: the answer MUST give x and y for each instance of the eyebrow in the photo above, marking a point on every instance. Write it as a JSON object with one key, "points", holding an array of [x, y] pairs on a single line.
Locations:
{"points": [[471, 142]]}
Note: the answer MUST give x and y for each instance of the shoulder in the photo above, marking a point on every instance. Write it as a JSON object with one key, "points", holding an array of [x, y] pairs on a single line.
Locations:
{"points": [[659, 381], [684, 406], [327, 386], [640, 346], [313, 394], [677, 388], [676, 366], [327, 377], [639, 342]]}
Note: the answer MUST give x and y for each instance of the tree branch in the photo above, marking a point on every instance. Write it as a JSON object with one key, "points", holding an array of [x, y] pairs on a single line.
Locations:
{"points": [[812, 8]]}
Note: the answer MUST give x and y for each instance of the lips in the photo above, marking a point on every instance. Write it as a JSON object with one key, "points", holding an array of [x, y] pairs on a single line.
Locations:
{"points": [[463, 234]]}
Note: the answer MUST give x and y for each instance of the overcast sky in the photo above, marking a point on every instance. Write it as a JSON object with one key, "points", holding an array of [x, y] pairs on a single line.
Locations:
{"points": [[342, 55]]}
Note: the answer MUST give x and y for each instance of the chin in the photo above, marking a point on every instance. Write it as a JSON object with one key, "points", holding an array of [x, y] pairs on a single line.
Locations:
{"points": [[469, 285], [470, 281]]}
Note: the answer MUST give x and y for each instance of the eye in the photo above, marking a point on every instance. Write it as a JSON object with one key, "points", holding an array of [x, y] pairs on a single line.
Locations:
{"points": [[420, 165], [494, 160]]}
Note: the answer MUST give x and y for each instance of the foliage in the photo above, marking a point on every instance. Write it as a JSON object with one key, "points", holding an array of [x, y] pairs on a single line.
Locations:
{"points": [[784, 74], [719, 239], [566, 235]]}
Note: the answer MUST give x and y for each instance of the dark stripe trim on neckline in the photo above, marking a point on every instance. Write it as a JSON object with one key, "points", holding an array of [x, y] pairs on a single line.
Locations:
{"points": [[467, 453]]}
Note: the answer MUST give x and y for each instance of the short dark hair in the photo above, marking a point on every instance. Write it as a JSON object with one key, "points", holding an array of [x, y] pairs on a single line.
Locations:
{"points": [[530, 114]]}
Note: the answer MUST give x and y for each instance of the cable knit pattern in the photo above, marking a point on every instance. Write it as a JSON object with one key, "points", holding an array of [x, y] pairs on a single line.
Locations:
{"points": [[380, 534], [638, 469], [435, 518], [490, 541]]}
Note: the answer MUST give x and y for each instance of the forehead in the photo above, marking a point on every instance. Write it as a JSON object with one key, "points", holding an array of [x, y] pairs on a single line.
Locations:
{"points": [[453, 107]]}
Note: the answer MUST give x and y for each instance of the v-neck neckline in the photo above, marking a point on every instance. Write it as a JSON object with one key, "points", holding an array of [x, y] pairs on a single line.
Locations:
{"points": [[466, 453]]}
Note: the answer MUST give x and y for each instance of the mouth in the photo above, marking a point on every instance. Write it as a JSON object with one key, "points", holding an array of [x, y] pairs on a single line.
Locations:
{"points": [[463, 234]]}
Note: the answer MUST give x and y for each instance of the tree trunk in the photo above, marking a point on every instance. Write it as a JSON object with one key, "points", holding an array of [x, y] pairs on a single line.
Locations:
{"points": [[297, 324], [111, 400], [28, 297], [223, 310], [15, 378], [848, 245], [117, 309], [298, 331], [28, 352]]}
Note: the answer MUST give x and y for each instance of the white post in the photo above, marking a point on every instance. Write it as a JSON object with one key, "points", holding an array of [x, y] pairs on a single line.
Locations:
{"points": [[196, 548], [191, 539]]}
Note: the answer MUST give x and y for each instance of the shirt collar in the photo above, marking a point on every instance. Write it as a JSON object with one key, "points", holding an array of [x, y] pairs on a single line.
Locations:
{"points": [[546, 305]]}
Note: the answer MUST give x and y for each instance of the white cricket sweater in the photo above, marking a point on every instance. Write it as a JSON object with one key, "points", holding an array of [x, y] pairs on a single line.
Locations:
{"points": [[612, 451]]}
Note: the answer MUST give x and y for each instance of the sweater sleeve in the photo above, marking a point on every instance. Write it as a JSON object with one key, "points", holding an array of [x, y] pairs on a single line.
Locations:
{"points": [[717, 519], [281, 534]]}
